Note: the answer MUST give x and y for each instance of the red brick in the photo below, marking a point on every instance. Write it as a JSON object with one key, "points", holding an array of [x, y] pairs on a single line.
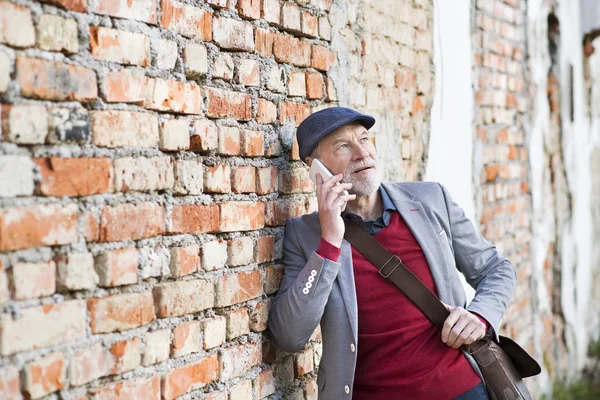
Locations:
{"points": [[205, 137], [228, 104], [55, 80], [304, 363], [242, 390], [314, 85], [186, 339], [42, 326], [145, 388], [417, 107], [139, 10], [214, 330], [266, 180], [122, 47], [310, 24], [296, 181], [233, 35], [190, 377], [16, 25], [322, 58], [91, 226], [265, 250], [125, 86], [75, 176], [185, 260], [217, 179], [293, 111], [31, 280], [157, 347], [237, 288], [73, 5], [265, 383], [41, 225], [189, 177], [125, 355], [290, 50], [143, 174], [252, 143], [55, 33], [112, 128], [267, 112], [271, 11], [229, 141], [183, 297], [45, 375], [75, 271], [240, 251], [290, 17], [24, 124], [258, 317], [176, 96], [330, 88], [194, 219], [131, 221], [249, 9], [235, 361], [117, 267], [297, 83], [248, 72], [241, 216], [243, 180], [273, 275], [9, 383], [174, 135], [279, 211], [121, 312], [188, 21], [87, 365], [264, 42]]}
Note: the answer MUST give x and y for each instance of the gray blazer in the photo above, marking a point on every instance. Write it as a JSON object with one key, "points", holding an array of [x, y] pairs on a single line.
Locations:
{"points": [[316, 290]]}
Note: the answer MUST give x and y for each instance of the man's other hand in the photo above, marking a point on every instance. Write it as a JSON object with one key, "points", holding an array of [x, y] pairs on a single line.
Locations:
{"points": [[461, 327]]}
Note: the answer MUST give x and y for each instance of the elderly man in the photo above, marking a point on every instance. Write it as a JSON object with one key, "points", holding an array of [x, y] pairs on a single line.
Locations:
{"points": [[376, 343]]}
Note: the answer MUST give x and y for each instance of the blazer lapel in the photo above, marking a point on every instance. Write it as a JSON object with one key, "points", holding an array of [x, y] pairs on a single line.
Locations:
{"points": [[345, 280], [419, 224]]}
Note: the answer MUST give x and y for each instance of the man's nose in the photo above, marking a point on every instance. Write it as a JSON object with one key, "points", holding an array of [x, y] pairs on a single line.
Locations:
{"points": [[359, 152]]}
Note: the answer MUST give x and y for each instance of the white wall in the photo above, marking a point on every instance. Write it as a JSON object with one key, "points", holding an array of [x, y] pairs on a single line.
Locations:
{"points": [[450, 153]]}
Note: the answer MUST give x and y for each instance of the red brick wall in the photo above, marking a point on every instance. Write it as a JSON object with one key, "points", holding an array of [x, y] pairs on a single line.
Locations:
{"points": [[501, 101], [146, 171]]}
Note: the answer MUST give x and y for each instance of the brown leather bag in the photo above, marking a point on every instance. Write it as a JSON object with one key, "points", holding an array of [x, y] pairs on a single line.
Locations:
{"points": [[503, 364]]}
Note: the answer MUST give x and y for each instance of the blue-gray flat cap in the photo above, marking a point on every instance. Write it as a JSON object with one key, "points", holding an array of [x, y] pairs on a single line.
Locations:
{"points": [[320, 124]]}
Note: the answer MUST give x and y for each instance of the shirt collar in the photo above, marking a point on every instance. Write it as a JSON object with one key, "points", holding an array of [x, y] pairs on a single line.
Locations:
{"points": [[388, 205]]}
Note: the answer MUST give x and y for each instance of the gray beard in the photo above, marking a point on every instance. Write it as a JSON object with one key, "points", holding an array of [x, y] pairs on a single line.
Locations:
{"points": [[363, 187]]}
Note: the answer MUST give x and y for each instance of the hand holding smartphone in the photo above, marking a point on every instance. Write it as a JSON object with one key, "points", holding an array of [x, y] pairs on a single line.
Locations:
{"points": [[317, 167]]}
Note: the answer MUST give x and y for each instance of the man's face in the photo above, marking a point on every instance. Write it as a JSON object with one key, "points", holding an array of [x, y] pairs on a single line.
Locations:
{"points": [[349, 150]]}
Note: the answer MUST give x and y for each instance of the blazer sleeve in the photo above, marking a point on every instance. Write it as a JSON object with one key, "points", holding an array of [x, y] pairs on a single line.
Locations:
{"points": [[300, 302], [489, 273]]}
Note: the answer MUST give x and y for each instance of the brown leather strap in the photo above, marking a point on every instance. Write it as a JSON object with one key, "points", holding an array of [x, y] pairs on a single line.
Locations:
{"points": [[393, 270]]}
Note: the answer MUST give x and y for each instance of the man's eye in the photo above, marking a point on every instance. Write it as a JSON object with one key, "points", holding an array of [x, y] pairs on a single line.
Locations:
{"points": [[364, 139], [343, 147]]}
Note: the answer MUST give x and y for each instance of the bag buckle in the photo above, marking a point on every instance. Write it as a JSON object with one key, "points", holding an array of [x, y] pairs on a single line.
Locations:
{"points": [[385, 276]]}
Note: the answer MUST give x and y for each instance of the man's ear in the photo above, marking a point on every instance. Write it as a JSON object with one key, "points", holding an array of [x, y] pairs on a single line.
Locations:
{"points": [[309, 160]]}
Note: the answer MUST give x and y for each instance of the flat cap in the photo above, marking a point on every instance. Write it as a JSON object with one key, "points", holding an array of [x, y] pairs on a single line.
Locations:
{"points": [[320, 124]]}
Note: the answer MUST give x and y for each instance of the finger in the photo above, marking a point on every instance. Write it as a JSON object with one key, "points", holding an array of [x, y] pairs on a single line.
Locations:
{"points": [[474, 336], [333, 180], [449, 323], [336, 191], [343, 199], [464, 335], [457, 330]]}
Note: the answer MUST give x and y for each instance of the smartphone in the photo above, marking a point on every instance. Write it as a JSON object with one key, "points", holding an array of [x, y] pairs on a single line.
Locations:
{"points": [[318, 167]]}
